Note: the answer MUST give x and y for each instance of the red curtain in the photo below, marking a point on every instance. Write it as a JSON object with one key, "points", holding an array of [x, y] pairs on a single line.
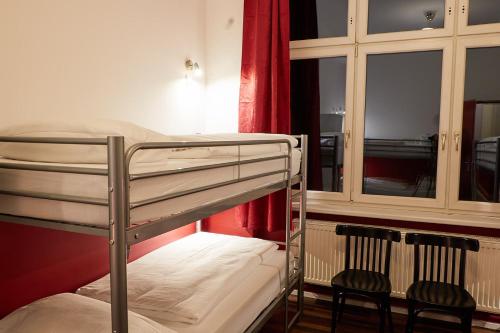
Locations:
{"points": [[265, 95]]}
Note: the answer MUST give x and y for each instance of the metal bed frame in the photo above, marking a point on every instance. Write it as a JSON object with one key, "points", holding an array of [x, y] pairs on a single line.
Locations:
{"points": [[122, 234]]}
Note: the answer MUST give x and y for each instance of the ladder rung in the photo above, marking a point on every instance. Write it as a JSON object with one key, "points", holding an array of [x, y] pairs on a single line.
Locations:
{"points": [[295, 235]]}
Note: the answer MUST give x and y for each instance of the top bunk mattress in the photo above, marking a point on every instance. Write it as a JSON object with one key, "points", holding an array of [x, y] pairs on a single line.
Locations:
{"points": [[95, 186]]}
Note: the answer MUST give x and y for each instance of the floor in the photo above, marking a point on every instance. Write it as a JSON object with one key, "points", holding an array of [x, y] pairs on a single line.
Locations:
{"points": [[316, 319]]}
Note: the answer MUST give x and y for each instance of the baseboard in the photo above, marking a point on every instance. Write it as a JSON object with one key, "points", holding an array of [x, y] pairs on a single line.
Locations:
{"points": [[401, 310]]}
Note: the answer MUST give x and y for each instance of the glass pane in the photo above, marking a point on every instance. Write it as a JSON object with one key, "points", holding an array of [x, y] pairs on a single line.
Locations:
{"points": [[403, 97], [318, 109], [397, 15], [480, 164], [318, 19], [484, 11]]}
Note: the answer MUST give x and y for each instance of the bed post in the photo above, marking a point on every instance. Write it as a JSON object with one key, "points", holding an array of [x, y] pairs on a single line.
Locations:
{"points": [[302, 218], [287, 232], [118, 220]]}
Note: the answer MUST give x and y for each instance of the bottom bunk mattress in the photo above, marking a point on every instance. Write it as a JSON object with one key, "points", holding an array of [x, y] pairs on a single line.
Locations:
{"points": [[65, 313], [202, 283]]}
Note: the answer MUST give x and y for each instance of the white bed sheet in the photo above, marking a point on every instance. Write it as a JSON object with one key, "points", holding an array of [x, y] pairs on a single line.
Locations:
{"points": [[237, 311], [65, 313], [183, 280], [96, 186]]}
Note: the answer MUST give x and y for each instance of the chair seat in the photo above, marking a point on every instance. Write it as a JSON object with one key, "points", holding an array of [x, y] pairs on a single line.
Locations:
{"points": [[359, 280], [440, 294]]}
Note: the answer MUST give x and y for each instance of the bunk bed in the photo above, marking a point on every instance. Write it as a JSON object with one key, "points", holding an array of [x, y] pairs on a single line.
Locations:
{"points": [[487, 161], [131, 202]]}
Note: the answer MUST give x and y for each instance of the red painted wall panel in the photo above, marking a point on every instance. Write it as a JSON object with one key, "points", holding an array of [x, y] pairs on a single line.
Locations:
{"points": [[226, 223], [36, 262]]}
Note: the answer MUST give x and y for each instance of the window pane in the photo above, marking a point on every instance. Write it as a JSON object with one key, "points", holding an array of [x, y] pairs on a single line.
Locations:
{"points": [[484, 11], [396, 15], [318, 109], [403, 94], [479, 174], [318, 19]]}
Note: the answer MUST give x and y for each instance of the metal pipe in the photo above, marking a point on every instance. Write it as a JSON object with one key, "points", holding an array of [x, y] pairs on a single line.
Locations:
{"points": [[203, 167], [303, 219], [287, 232], [118, 209], [55, 168], [58, 141], [57, 197], [200, 144], [174, 195]]}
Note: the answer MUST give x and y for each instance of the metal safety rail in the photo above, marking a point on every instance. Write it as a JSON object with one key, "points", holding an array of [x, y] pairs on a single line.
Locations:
{"points": [[119, 230]]}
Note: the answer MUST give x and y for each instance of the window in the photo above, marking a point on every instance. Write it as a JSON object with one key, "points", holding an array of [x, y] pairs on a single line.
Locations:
{"points": [[402, 108], [479, 16], [322, 97], [476, 125], [384, 20], [374, 93]]}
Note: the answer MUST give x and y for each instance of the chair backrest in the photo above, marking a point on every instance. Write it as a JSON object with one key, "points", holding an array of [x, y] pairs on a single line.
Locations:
{"points": [[372, 246], [445, 269]]}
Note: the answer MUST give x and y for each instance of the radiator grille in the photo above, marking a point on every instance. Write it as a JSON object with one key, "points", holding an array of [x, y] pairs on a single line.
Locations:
{"points": [[325, 258]]}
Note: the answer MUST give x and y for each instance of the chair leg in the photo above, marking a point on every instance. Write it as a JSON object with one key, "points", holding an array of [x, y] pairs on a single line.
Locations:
{"points": [[382, 310], [389, 315], [342, 306], [335, 302], [466, 320], [410, 322]]}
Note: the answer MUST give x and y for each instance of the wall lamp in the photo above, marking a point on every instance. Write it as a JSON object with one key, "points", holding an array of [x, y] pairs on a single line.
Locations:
{"points": [[191, 67]]}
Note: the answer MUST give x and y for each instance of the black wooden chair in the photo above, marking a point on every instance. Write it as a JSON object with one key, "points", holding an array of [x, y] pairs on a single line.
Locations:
{"points": [[436, 289], [366, 273]]}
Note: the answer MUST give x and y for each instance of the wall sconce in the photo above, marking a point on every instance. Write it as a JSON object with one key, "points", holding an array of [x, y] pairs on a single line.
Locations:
{"points": [[191, 68]]}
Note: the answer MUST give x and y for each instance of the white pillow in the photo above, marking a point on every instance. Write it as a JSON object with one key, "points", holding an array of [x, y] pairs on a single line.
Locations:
{"points": [[84, 154], [73, 313]]}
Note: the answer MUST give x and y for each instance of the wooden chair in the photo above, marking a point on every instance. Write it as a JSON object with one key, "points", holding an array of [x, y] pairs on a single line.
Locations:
{"points": [[367, 272], [436, 289]]}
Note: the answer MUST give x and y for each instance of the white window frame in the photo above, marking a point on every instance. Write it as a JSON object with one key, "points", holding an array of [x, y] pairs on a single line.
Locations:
{"points": [[349, 39], [347, 51], [464, 43], [364, 37], [463, 18], [446, 45]]}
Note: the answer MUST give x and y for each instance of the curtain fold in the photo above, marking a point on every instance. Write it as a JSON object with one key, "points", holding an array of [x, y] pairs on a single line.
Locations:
{"points": [[265, 96]]}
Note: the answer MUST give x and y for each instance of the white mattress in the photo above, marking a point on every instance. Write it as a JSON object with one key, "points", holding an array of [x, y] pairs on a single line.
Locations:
{"points": [[183, 281], [96, 187], [256, 287], [236, 312], [65, 313]]}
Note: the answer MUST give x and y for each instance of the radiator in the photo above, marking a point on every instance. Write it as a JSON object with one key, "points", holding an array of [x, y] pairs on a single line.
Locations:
{"points": [[325, 258]]}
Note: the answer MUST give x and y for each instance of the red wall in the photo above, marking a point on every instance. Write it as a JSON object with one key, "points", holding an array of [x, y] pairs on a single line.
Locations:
{"points": [[225, 223], [36, 262]]}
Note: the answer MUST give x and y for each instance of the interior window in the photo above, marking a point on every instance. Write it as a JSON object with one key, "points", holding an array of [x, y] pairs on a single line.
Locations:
{"points": [[484, 11], [318, 109], [396, 15], [402, 112], [480, 156], [318, 19]]}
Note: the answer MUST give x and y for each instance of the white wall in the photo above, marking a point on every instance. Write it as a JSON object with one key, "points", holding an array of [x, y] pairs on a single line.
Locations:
{"points": [[224, 36], [116, 58]]}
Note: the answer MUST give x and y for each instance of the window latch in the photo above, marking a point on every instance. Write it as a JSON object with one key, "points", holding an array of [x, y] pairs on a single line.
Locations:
{"points": [[347, 136], [457, 141], [443, 140]]}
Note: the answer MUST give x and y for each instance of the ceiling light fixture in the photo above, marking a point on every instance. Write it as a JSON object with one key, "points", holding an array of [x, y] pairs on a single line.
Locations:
{"points": [[430, 15]]}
